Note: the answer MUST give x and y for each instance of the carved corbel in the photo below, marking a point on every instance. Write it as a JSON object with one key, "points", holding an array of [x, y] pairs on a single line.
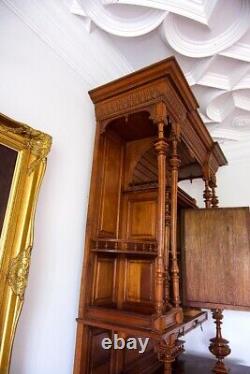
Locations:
{"points": [[158, 113]]}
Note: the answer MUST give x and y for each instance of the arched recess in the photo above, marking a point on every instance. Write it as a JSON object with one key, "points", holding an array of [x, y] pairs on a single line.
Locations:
{"points": [[144, 170]]}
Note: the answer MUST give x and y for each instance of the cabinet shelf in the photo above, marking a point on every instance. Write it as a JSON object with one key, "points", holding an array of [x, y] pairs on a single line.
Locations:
{"points": [[125, 247], [123, 252]]}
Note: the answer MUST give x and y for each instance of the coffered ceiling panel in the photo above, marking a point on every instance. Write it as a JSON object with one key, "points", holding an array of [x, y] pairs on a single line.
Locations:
{"points": [[210, 39]]}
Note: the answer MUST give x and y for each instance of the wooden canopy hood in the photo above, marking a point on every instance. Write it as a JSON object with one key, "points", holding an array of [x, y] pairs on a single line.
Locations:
{"points": [[117, 103]]}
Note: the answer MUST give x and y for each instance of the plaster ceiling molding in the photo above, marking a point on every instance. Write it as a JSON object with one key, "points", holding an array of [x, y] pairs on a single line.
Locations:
{"points": [[55, 25], [242, 123], [77, 9], [196, 40], [221, 107], [121, 20], [204, 96], [236, 151], [241, 99], [223, 73], [228, 104], [227, 135], [205, 119], [240, 50], [193, 72], [243, 83], [198, 10]]}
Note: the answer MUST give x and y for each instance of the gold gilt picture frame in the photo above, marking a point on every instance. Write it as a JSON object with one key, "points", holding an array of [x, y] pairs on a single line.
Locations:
{"points": [[23, 156]]}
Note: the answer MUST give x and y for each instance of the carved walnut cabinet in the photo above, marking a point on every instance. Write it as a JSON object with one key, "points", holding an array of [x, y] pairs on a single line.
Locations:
{"points": [[149, 136]]}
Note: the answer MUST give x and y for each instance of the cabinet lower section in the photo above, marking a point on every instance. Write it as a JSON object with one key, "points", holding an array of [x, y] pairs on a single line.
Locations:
{"points": [[132, 359]]}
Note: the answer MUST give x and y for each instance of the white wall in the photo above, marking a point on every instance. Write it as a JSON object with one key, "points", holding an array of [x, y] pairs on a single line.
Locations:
{"points": [[233, 190], [38, 87]]}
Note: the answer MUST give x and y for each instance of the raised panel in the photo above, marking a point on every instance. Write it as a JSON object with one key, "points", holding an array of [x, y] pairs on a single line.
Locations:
{"points": [[104, 283], [139, 281], [99, 357], [216, 259], [111, 186], [141, 217]]}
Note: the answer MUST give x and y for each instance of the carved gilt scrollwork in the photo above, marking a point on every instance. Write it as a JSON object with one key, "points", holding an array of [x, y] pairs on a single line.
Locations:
{"points": [[18, 272], [38, 142]]}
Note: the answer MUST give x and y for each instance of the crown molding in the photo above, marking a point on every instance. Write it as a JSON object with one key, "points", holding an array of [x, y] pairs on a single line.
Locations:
{"points": [[198, 11], [77, 10], [63, 33], [188, 46]]}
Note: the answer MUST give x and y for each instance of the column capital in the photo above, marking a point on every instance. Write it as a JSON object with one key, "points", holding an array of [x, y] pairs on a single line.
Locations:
{"points": [[159, 113]]}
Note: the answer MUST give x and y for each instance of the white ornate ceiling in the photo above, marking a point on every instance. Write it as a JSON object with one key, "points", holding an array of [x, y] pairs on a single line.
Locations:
{"points": [[210, 39]]}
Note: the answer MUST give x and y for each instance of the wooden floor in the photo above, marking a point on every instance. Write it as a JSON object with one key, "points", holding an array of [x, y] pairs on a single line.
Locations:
{"points": [[187, 364]]}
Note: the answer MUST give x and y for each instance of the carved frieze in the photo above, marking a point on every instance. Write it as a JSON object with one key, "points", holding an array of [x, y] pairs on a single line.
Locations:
{"points": [[142, 97]]}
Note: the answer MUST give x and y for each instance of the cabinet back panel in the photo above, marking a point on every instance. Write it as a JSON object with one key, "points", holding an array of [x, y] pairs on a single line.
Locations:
{"points": [[139, 281], [104, 282], [111, 186], [139, 218], [216, 258]]}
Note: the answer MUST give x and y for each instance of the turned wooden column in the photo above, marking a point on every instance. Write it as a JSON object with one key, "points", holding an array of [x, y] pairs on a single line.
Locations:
{"points": [[214, 198], [174, 163], [207, 193], [161, 146], [219, 346], [167, 247]]}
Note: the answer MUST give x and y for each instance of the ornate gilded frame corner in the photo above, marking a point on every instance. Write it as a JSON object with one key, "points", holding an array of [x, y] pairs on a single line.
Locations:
{"points": [[32, 147]]}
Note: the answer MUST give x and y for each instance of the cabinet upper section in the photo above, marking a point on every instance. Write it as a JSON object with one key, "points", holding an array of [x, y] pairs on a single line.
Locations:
{"points": [[133, 105]]}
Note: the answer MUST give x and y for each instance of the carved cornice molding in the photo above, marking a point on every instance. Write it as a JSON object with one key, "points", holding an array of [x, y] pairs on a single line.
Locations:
{"points": [[142, 99]]}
